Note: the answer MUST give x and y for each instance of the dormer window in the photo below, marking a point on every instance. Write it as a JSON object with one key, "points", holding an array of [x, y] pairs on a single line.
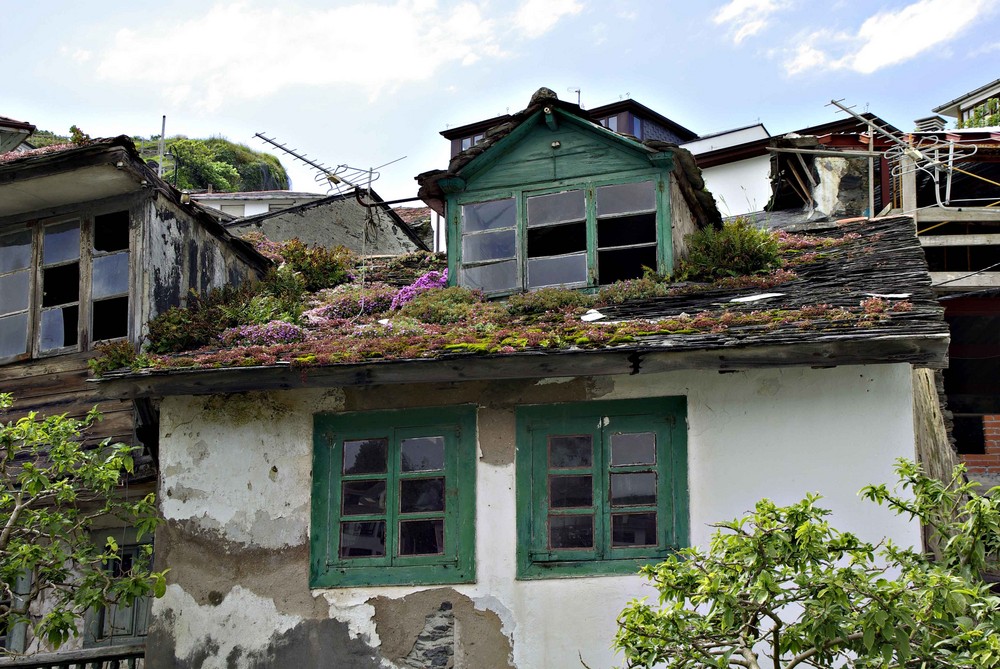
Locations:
{"points": [[588, 235], [469, 142]]}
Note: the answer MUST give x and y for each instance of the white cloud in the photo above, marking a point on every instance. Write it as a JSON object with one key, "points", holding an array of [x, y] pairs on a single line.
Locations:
{"points": [[537, 17], [747, 17], [887, 38], [241, 50]]}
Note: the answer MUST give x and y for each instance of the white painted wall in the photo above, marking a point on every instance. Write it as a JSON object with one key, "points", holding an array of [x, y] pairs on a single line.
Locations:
{"points": [[740, 187], [240, 468], [723, 140]]}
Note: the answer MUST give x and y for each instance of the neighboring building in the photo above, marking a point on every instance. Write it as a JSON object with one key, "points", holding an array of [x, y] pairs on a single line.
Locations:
{"points": [[14, 134], [550, 198], [92, 246], [358, 220], [254, 203], [448, 505], [963, 108]]}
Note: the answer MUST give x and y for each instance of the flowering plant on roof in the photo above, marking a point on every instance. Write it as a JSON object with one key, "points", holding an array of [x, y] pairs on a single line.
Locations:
{"points": [[274, 332], [428, 281], [351, 301]]}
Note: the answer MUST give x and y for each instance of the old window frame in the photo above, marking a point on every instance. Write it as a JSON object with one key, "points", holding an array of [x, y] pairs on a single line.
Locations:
{"points": [[458, 251], [456, 562], [85, 220], [665, 418]]}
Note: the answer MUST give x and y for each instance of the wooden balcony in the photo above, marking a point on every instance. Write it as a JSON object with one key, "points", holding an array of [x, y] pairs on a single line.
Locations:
{"points": [[111, 657]]}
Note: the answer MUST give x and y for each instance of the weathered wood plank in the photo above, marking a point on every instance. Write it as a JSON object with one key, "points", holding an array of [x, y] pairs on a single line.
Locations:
{"points": [[960, 240], [961, 280], [959, 214]]}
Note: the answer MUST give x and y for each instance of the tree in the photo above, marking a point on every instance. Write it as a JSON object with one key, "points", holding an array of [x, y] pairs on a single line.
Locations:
{"points": [[782, 588], [53, 487], [985, 115]]}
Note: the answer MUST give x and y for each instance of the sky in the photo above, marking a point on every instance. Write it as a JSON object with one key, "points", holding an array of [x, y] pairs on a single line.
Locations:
{"points": [[368, 83]]}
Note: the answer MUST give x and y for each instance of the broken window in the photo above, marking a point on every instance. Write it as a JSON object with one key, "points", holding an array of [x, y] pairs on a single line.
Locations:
{"points": [[60, 314], [110, 277], [394, 492], [626, 231], [557, 239], [602, 486]]}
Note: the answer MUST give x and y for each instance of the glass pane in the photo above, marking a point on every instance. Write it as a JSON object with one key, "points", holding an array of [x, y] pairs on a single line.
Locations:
{"points": [[633, 489], [574, 450], [570, 491], [110, 275], [633, 449], [110, 318], [626, 230], [556, 208], [111, 232], [488, 246], [362, 539], [491, 278], [14, 292], [365, 456], [60, 284], [422, 454], [59, 327], [626, 198], [421, 537], [61, 243], [557, 271], [417, 495], [571, 531], [15, 251], [360, 497], [633, 529], [489, 215], [13, 335]]}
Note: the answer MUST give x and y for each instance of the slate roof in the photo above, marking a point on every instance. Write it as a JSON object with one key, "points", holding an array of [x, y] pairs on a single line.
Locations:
{"points": [[859, 294]]}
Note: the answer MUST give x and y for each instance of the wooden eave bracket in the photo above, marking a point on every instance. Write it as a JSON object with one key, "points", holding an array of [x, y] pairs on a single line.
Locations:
{"points": [[662, 159]]}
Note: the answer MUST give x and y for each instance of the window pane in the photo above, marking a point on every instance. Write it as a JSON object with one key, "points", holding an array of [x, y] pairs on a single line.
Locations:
{"points": [[570, 491], [571, 451], [110, 275], [556, 208], [110, 318], [61, 243], [361, 497], [488, 246], [422, 454], [421, 495], [558, 271], [13, 335], [489, 215], [491, 278], [626, 198], [362, 539], [555, 240], [626, 230], [111, 232], [633, 529], [421, 537], [365, 456], [60, 284], [633, 489], [624, 264], [59, 327], [14, 292], [633, 449], [571, 531], [15, 251]]}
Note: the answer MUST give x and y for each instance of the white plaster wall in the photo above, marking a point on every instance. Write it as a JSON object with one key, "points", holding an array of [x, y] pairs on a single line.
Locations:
{"points": [[778, 433], [740, 187]]}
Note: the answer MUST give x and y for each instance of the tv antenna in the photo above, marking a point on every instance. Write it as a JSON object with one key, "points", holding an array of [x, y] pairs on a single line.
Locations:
{"points": [[337, 180]]}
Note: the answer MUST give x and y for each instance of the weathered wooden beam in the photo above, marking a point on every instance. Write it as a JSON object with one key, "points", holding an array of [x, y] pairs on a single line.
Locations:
{"points": [[958, 214], [962, 280], [113, 655], [960, 240]]}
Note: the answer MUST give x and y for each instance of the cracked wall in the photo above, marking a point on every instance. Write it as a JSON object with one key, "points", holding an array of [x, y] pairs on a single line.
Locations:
{"points": [[235, 494]]}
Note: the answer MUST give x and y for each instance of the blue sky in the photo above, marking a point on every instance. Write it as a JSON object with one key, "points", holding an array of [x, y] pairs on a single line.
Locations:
{"points": [[365, 83]]}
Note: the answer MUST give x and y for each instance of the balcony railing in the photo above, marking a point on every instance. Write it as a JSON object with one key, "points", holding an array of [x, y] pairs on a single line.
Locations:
{"points": [[112, 657]]}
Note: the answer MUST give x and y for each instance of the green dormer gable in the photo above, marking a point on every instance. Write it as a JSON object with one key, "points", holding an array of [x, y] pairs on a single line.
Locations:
{"points": [[553, 199]]}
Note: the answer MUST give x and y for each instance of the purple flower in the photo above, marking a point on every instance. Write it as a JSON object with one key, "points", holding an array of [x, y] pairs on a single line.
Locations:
{"points": [[428, 281], [269, 334]]}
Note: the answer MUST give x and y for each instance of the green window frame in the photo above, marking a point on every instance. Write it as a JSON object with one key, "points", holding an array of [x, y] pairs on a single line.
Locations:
{"points": [[601, 486], [393, 497], [575, 234]]}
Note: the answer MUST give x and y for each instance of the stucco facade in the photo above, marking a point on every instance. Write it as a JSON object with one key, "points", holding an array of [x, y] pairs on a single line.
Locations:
{"points": [[235, 491]]}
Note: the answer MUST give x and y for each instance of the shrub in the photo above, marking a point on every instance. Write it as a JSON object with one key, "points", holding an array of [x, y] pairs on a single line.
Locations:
{"points": [[546, 300], [200, 323], [351, 301], [632, 289], [319, 266], [448, 305], [738, 249], [116, 355]]}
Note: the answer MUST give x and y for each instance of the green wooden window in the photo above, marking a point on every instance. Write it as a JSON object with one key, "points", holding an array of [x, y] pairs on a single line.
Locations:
{"points": [[575, 236], [394, 497], [601, 486]]}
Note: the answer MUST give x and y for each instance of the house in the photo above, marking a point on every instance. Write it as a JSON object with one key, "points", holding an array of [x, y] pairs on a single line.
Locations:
{"points": [[92, 246], [253, 203], [358, 220], [13, 134], [479, 493], [964, 107]]}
